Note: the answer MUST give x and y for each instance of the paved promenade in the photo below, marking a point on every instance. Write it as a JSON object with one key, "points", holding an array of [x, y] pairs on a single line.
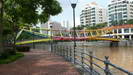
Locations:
{"points": [[39, 62]]}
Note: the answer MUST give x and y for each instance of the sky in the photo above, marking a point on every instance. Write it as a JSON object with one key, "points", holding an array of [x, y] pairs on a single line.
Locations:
{"points": [[67, 15]]}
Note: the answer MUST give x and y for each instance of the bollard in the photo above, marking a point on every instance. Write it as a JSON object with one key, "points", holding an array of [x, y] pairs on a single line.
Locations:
{"points": [[91, 62], [106, 62]]}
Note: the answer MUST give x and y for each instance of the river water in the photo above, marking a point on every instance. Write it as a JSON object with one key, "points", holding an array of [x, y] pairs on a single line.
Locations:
{"points": [[121, 56]]}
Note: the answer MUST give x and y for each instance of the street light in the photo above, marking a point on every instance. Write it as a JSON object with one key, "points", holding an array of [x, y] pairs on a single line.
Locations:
{"points": [[73, 5], [51, 37]]}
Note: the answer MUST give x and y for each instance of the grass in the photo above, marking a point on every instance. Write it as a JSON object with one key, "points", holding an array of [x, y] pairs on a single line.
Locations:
{"points": [[11, 58]]}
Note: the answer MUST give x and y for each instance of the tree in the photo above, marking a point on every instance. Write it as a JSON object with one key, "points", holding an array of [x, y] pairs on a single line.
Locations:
{"points": [[101, 25], [26, 12], [121, 22], [114, 23], [79, 27], [130, 21], [97, 26]]}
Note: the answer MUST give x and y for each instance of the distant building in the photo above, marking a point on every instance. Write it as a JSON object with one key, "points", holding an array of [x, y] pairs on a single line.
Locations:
{"points": [[55, 26], [122, 31], [119, 11], [93, 14], [45, 26]]}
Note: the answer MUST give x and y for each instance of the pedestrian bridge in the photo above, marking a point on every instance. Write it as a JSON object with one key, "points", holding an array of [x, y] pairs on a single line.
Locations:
{"points": [[63, 35]]}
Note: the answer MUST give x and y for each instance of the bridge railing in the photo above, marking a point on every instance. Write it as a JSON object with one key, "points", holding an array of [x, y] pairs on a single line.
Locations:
{"points": [[88, 61]]}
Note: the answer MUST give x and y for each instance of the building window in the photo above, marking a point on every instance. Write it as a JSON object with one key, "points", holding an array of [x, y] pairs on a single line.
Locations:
{"points": [[131, 5], [124, 12], [87, 21], [132, 37], [93, 21], [126, 36], [125, 9], [93, 17], [124, 5], [115, 30], [126, 30], [119, 31], [120, 15], [131, 12], [125, 16], [132, 30]]}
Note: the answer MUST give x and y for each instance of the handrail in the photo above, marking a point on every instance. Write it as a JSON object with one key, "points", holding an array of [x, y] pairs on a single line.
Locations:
{"points": [[95, 57], [82, 60], [121, 69]]}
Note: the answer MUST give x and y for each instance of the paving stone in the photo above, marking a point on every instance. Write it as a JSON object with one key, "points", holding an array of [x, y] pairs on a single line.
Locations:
{"points": [[39, 62]]}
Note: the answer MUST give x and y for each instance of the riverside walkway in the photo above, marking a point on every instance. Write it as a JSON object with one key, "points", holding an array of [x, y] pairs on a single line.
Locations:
{"points": [[39, 62]]}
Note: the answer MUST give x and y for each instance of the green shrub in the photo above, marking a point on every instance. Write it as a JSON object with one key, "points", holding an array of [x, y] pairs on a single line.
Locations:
{"points": [[10, 58]]}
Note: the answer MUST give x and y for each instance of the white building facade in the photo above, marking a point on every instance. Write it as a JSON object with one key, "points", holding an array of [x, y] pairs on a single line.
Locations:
{"points": [[124, 33], [93, 14], [55, 26], [119, 11]]}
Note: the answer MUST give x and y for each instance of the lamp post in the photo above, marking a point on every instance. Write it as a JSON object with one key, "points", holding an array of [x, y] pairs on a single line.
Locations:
{"points": [[73, 5], [51, 37]]}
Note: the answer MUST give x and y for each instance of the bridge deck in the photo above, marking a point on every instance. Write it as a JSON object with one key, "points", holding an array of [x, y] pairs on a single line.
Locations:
{"points": [[39, 62]]}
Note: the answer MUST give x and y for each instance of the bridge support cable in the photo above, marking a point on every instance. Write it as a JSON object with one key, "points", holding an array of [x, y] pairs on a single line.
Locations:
{"points": [[61, 33], [77, 34], [19, 33]]}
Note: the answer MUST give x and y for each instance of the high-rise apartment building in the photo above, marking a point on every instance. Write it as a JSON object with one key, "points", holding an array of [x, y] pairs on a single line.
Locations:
{"points": [[119, 11], [93, 14]]}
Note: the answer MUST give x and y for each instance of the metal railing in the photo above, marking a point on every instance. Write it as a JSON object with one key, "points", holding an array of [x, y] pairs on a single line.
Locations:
{"points": [[87, 61]]}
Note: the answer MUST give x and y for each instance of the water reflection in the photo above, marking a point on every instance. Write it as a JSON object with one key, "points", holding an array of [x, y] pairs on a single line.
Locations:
{"points": [[121, 56]]}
